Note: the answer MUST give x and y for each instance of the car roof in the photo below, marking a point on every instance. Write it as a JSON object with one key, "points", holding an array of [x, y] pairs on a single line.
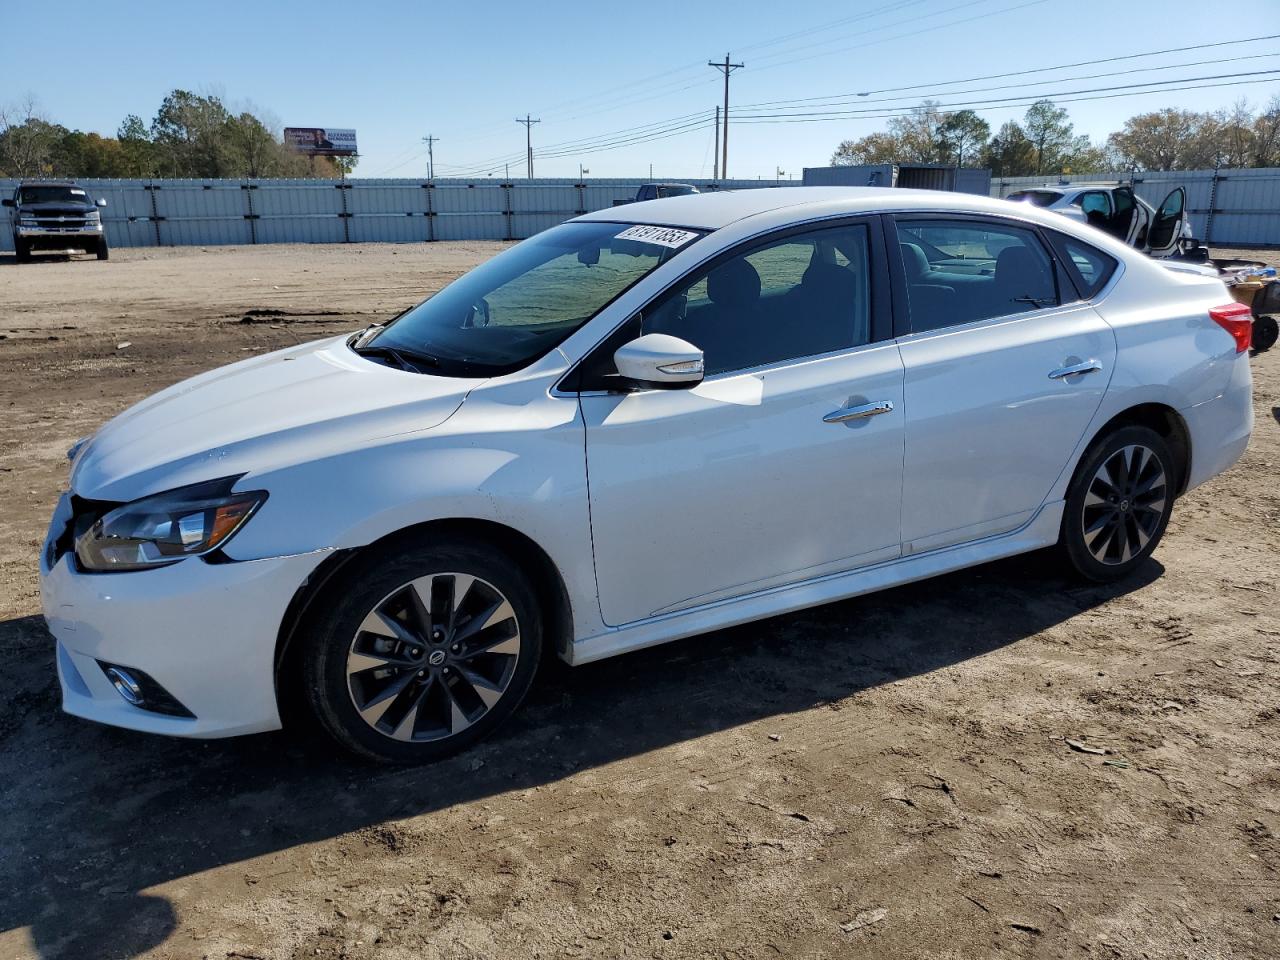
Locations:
{"points": [[47, 183], [711, 211]]}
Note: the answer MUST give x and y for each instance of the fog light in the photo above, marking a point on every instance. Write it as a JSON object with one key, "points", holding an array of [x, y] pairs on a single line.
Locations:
{"points": [[139, 689], [125, 685]]}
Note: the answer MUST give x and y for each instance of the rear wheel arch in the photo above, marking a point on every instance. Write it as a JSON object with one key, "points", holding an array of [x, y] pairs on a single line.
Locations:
{"points": [[545, 578], [1165, 421]]}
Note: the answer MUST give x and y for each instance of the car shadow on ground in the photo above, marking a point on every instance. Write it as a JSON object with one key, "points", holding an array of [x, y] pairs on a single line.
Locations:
{"points": [[103, 814]]}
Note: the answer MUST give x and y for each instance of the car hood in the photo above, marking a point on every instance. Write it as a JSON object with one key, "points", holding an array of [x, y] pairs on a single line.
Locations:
{"points": [[295, 405]]}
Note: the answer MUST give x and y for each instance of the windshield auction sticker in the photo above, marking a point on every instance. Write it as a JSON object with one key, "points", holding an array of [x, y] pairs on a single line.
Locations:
{"points": [[663, 236]]}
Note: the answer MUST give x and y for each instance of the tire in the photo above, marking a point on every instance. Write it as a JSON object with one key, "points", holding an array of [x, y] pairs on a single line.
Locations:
{"points": [[101, 249], [22, 251], [380, 679], [1118, 504]]}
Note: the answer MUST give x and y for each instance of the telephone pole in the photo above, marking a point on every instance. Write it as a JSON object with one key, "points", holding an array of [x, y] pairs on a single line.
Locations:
{"points": [[430, 141], [727, 68], [528, 141], [715, 154]]}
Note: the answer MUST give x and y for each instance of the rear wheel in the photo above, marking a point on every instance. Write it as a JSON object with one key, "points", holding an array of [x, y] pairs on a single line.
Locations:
{"points": [[420, 652], [1118, 504]]}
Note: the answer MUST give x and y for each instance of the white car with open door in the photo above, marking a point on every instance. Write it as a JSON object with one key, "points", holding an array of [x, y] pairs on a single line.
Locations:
{"points": [[647, 423], [1117, 210]]}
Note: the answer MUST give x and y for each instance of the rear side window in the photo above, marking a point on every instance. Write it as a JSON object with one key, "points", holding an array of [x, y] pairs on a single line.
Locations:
{"points": [[960, 271], [1088, 266], [1041, 198]]}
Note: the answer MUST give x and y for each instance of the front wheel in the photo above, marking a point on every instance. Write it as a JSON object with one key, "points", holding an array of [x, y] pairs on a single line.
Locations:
{"points": [[101, 249], [419, 652], [22, 251], [1118, 504]]}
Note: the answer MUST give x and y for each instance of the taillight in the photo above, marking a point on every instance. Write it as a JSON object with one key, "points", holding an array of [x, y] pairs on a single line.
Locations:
{"points": [[1237, 320]]}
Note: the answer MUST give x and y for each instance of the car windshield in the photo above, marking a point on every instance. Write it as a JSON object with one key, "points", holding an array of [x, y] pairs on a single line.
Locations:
{"points": [[52, 194], [511, 310], [1041, 198]]}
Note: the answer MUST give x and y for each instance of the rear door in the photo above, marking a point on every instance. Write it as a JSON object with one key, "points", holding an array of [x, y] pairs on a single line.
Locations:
{"points": [[1166, 228], [1004, 366], [785, 463]]}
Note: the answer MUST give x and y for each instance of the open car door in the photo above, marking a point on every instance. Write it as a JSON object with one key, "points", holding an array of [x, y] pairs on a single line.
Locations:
{"points": [[1166, 229]]}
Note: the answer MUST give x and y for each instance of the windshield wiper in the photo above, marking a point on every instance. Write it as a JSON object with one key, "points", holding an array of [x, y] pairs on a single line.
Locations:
{"points": [[409, 360], [1036, 301]]}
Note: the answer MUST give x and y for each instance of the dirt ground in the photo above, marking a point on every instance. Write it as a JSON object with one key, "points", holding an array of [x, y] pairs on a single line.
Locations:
{"points": [[885, 777]]}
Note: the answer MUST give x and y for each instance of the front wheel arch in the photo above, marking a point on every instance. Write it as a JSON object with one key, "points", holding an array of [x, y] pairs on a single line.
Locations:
{"points": [[547, 582]]}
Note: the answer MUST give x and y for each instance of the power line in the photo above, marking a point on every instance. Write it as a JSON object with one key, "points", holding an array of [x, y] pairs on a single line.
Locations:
{"points": [[1022, 73], [1128, 87], [840, 99], [998, 105]]}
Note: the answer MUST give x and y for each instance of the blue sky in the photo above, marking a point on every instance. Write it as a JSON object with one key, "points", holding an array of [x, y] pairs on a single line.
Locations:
{"points": [[397, 70]]}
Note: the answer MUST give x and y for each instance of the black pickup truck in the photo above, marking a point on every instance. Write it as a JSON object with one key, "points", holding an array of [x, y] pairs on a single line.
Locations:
{"points": [[655, 191], [55, 215]]}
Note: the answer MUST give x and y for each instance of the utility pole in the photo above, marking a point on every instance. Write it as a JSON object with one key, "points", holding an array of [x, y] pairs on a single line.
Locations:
{"points": [[727, 68], [528, 141], [715, 154], [582, 173], [430, 141]]}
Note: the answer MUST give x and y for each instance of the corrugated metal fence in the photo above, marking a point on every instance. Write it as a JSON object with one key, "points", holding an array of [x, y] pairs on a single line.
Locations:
{"points": [[142, 213], [1227, 207]]}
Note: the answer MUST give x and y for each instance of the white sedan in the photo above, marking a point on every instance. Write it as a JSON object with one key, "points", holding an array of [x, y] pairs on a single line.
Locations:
{"points": [[1117, 210], [647, 423]]}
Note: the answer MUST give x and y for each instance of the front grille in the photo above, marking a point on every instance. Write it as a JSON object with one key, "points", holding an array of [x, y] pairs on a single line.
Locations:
{"points": [[47, 224]]}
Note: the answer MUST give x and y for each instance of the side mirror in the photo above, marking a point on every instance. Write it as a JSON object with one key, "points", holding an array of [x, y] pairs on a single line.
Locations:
{"points": [[660, 362], [101, 202], [7, 201]]}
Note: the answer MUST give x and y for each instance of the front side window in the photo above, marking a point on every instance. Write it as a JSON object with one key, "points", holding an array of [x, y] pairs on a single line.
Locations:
{"points": [[514, 308], [959, 271], [1095, 202], [801, 296]]}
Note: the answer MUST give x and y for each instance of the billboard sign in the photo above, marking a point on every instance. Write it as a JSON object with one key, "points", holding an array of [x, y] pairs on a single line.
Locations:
{"points": [[321, 141]]}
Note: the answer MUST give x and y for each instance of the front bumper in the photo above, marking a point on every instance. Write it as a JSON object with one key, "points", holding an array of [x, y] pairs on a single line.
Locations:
{"points": [[93, 230], [206, 632]]}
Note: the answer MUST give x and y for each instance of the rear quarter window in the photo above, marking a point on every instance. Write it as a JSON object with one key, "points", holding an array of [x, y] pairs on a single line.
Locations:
{"points": [[1089, 267]]}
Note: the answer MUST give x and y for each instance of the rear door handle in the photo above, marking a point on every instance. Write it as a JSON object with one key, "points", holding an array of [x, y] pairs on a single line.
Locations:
{"points": [[860, 412], [1084, 366]]}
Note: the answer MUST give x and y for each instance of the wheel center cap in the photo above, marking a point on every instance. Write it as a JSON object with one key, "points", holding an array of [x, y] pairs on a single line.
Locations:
{"points": [[436, 658], [1124, 506]]}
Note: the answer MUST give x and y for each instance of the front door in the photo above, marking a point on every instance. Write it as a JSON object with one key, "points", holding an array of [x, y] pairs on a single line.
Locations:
{"points": [[785, 463], [1004, 370], [1166, 228]]}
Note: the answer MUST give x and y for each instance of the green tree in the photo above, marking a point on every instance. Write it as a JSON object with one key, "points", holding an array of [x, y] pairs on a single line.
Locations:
{"points": [[1010, 153], [189, 134], [1051, 134], [964, 134]]}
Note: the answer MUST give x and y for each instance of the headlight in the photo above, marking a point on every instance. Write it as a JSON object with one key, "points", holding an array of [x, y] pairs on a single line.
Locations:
{"points": [[165, 528], [26, 221], [93, 216]]}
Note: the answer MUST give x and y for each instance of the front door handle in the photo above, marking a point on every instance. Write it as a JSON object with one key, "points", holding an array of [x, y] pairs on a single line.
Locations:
{"points": [[860, 412], [1084, 366]]}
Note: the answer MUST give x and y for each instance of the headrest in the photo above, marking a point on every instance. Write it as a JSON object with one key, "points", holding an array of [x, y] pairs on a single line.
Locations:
{"points": [[735, 283], [914, 260]]}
